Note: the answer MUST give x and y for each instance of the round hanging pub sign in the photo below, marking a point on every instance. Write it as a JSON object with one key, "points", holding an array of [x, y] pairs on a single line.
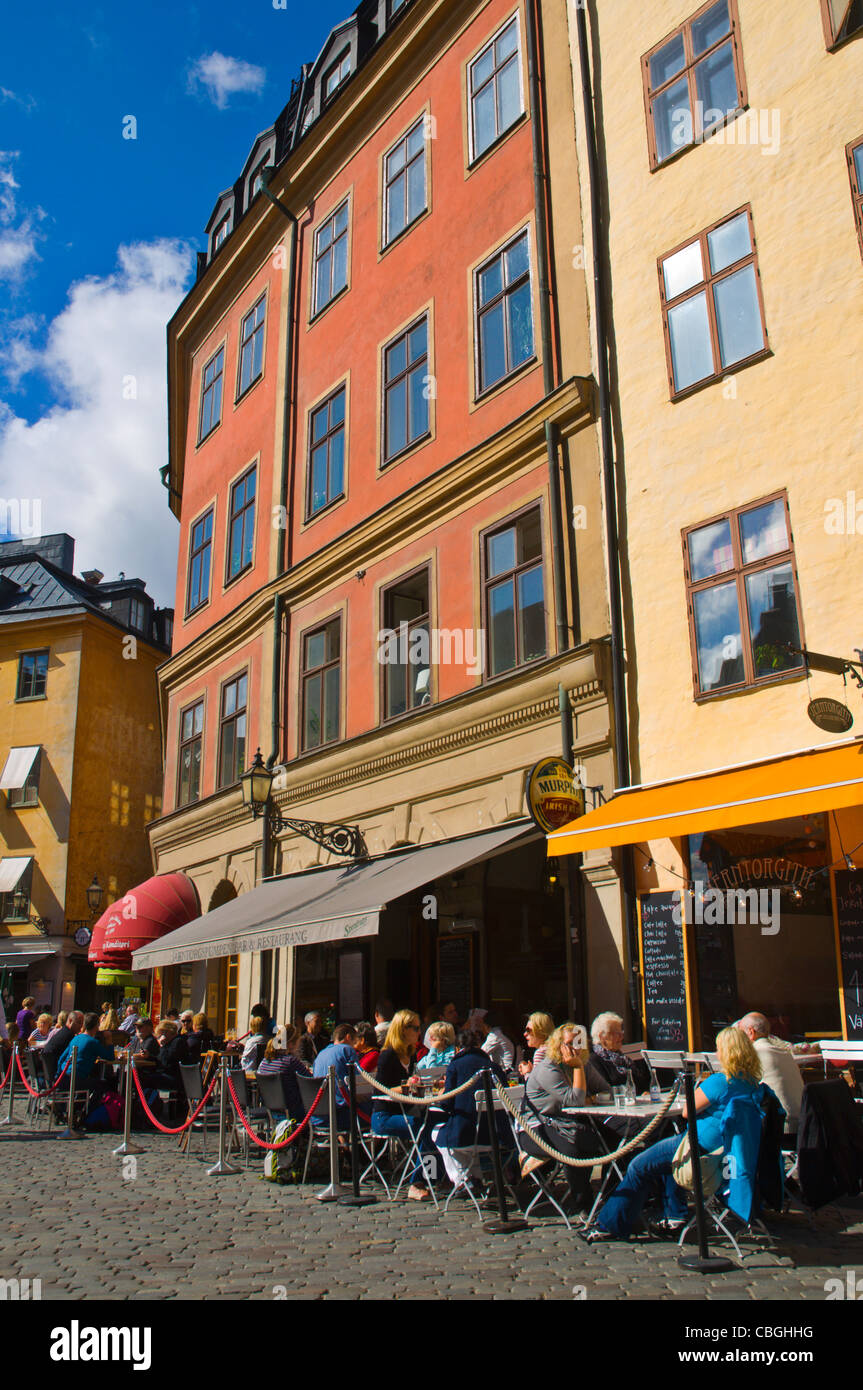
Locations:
{"points": [[830, 715], [554, 795]]}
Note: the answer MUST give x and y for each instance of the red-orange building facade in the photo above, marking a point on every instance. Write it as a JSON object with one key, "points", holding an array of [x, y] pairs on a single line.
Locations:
{"points": [[372, 425]]}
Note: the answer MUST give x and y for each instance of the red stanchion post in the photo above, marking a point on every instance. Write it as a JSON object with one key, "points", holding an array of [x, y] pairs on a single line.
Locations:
{"points": [[8, 1120]]}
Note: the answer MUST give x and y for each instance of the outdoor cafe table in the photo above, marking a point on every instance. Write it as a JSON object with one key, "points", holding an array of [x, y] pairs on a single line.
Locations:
{"points": [[642, 1111]]}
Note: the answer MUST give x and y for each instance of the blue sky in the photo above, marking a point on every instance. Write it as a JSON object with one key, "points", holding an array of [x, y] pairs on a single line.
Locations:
{"points": [[97, 239]]}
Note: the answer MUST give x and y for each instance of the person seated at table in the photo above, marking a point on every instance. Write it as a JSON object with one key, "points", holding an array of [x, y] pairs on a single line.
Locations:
{"points": [[172, 1053], [13, 1035], [200, 1039], [396, 1068], [442, 1050], [145, 1049], [262, 1012], [440, 1013], [109, 1020], [88, 1049], [41, 1033], [340, 1054], [129, 1020], [383, 1014], [286, 1064], [496, 1044], [61, 1023], [367, 1046], [314, 1039], [253, 1043], [555, 1084], [455, 1137], [779, 1070], [608, 1066], [59, 1041], [739, 1075], [537, 1031]]}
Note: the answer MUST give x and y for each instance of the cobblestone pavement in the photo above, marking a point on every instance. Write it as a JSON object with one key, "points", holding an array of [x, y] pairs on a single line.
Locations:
{"points": [[172, 1232]]}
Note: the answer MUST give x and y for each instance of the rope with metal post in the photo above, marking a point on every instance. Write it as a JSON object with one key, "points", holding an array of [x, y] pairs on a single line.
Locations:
{"points": [[261, 1143], [601, 1160], [152, 1118], [420, 1100], [6, 1077], [40, 1095]]}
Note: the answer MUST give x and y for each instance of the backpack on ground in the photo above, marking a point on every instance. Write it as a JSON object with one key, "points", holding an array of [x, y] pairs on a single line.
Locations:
{"points": [[280, 1165]]}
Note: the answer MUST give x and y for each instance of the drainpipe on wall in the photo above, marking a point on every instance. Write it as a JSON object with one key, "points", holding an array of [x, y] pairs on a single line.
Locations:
{"points": [[550, 371], [618, 680]]}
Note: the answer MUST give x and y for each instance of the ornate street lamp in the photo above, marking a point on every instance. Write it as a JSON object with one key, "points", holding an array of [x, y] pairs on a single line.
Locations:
{"points": [[95, 894], [257, 784]]}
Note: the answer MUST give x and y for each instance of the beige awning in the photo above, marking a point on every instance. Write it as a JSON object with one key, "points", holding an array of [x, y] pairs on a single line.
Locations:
{"points": [[12, 871], [17, 767], [331, 904]]}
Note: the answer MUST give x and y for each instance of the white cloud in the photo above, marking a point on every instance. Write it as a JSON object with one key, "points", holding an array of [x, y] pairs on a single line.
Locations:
{"points": [[93, 458], [222, 76], [27, 103], [18, 230]]}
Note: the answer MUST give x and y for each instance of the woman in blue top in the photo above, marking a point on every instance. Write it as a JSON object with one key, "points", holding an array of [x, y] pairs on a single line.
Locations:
{"points": [[740, 1075], [441, 1038]]}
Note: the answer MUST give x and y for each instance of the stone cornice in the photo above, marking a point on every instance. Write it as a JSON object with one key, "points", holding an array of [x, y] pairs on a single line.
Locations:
{"points": [[450, 489], [379, 752]]}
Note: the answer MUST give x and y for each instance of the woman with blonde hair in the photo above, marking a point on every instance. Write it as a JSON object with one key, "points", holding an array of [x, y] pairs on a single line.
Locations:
{"points": [[396, 1067], [109, 1022], [556, 1083], [442, 1049], [739, 1075], [537, 1031]]}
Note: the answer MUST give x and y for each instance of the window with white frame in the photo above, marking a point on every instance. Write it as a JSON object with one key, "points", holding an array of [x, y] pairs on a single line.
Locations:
{"points": [[494, 89]]}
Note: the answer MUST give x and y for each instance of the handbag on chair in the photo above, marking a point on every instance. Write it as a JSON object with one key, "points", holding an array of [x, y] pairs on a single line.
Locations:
{"points": [[711, 1168]]}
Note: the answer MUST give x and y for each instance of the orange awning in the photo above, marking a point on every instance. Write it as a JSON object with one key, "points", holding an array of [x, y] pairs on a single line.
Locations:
{"points": [[826, 779]]}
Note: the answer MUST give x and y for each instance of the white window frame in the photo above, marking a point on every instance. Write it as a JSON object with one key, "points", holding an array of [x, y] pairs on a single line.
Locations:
{"points": [[474, 154]]}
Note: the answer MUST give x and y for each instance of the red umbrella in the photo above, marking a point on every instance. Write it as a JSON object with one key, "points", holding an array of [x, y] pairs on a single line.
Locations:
{"points": [[147, 912]]}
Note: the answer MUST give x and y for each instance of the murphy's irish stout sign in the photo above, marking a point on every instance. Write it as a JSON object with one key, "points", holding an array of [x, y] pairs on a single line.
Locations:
{"points": [[554, 794]]}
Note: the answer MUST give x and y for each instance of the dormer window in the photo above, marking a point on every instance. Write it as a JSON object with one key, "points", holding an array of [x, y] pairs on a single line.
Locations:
{"points": [[308, 117], [221, 232], [337, 74], [257, 182]]}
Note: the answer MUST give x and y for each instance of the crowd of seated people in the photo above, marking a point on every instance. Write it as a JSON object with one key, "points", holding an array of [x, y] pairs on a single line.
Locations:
{"points": [[561, 1070]]}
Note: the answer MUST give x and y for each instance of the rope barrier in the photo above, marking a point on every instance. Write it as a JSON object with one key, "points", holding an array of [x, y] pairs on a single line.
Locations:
{"points": [[346, 1098], [188, 1123], [40, 1095], [262, 1143], [6, 1077], [422, 1100], [600, 1160]]}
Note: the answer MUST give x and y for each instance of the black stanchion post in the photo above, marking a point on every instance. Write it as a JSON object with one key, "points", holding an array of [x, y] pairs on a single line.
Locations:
{"points": [[504, 1223], [703, 1262], [354, 1199]]}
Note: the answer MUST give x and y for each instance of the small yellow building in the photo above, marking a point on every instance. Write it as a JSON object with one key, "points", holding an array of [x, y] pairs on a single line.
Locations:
{"points": [[80, 760]]}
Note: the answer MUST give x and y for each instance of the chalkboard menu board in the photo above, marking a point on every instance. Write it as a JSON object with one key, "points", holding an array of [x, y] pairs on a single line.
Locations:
{"points": [[455, 972], [849, 918], [664, 971]]}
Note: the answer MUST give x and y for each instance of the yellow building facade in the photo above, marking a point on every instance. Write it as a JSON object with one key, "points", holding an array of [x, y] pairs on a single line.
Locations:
{"points": [[79, 735], [728, 151]]}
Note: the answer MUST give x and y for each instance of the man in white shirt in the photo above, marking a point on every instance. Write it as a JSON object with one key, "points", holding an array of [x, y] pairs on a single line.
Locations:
{"points": [[496, 1044], [779, 1070]]}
